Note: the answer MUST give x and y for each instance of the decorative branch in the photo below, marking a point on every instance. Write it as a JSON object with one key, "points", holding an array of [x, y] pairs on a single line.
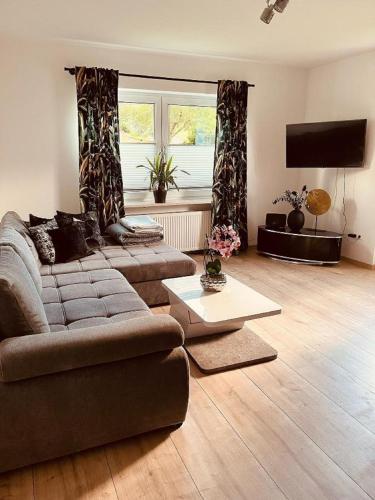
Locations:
{"points": [[297, 200]]}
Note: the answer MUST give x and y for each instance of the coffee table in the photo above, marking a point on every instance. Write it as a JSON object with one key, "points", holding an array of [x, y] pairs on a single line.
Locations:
{"points": [[205, 313], [213, 322]]}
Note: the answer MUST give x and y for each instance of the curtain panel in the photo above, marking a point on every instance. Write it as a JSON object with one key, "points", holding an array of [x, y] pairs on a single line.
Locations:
{"points": [[229, 191], [100, 178]]}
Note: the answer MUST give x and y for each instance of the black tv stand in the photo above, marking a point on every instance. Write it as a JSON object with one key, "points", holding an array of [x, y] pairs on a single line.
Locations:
{"points": [[309, 246]]}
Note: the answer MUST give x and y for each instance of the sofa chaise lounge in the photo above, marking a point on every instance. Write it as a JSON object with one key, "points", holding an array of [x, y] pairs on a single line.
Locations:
{"points": [[83, 361]]}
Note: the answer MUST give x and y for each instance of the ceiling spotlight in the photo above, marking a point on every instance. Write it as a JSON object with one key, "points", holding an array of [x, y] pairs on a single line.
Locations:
{"points": [[267, 14], [280, 5], [269, 11]]}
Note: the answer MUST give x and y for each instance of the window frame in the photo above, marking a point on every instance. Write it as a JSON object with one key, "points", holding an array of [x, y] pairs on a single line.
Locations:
{"points": [[161, 101]]}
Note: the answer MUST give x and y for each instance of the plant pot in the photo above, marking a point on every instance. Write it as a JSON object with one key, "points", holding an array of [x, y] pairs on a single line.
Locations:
{"points": [[160, 195], [296, 220], [213, 282]]}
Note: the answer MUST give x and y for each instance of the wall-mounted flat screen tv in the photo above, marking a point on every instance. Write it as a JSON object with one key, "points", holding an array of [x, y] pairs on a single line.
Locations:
{"points": [[326, 144]]}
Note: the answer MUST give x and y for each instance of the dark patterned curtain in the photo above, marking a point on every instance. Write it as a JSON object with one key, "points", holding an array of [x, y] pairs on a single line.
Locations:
{"points": [[229, 189], [100, 179]]}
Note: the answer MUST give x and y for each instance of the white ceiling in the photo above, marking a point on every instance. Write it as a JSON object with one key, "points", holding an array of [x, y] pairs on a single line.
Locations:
{"points": [[308, 33]]}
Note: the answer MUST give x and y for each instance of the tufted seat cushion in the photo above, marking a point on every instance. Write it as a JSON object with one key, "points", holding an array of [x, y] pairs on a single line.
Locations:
{"points": [[91, 298], [137, 263]]}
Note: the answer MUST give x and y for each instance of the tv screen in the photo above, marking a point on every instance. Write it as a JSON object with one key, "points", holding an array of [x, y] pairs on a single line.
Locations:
{"points": [[326, 144]]}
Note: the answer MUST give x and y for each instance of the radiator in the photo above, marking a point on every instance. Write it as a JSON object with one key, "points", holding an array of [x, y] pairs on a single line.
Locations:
{"points": [[185, 231]]}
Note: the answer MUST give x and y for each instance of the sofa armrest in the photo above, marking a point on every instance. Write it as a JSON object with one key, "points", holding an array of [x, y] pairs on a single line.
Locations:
{"points": [[34, 355]]}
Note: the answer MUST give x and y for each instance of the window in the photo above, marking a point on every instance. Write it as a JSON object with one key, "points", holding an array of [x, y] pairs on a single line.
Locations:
{"points": [[184, 123]]}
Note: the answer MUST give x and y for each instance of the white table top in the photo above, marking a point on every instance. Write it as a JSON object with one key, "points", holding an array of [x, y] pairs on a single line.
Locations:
{"points": [[235, 302]]}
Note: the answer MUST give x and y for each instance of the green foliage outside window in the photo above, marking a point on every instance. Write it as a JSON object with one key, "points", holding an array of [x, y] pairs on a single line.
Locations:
{"points": [[136, 122], [191, 125], [187, 125]]}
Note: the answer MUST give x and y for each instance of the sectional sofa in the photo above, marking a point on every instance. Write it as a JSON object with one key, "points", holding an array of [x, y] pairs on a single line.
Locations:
{"points": [[83, 361]]}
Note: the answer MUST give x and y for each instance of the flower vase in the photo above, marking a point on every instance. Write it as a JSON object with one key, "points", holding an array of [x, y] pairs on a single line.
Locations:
{"points": [[296, 220], [213, 282]]}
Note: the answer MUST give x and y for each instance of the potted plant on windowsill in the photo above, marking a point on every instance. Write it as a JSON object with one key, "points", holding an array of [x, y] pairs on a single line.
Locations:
{"points": [[296, 218], [162, 174]]}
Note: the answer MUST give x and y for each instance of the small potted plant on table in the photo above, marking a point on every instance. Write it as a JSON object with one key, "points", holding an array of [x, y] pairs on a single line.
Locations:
{"points": [[162, 174], [223, 242]]}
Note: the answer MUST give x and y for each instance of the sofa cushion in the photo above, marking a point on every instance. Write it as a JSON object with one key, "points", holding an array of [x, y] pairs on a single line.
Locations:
{"points": [[91, 298], [11, 237], [69, 242], [21, 308], [34, 220], [13, 220], [33, 249], [43, 241], [137, 263], [90, 220]]}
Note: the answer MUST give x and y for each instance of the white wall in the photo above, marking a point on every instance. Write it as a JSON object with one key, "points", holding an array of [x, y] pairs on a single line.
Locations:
{"points": [[339, 91], [38, 123]]}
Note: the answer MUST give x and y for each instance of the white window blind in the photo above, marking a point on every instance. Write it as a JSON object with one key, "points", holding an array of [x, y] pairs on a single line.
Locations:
{"points": [[198, 161], [132, 155]]}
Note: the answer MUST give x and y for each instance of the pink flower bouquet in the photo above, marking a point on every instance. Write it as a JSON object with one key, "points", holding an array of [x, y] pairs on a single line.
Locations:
{"points": [[224, 241]]}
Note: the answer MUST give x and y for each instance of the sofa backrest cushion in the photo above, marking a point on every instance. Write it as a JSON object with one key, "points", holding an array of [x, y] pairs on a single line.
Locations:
{"points": [[33, 249], [21, 308], [13, 220], [11, 237]]}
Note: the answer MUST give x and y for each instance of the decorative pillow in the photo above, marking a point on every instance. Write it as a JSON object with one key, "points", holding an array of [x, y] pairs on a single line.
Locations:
{"points": [[92, 230], [69, 242], [37, 221], [43, 242]]}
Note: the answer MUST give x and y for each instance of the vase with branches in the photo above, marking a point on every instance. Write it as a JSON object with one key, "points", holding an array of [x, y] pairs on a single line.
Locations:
{"points": [[297, 200], [162, 174]]}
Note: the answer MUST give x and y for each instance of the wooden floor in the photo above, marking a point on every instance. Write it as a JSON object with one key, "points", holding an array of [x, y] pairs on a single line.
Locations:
{"points": [[301, 427]]}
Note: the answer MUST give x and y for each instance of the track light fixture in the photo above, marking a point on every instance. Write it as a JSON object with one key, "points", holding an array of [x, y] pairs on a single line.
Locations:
{"points": [[280, 5], [268, 13]]}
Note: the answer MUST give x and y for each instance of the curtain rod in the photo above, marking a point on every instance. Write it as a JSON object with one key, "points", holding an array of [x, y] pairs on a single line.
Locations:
{"points": [[149, 77]]}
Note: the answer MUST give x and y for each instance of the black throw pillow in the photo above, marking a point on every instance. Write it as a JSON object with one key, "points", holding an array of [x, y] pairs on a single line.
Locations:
{"points": [[69, 242], [93, 236], [37, 221]]}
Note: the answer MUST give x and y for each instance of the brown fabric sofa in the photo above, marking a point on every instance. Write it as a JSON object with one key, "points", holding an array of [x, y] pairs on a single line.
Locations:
{"points": [[83, 361]]}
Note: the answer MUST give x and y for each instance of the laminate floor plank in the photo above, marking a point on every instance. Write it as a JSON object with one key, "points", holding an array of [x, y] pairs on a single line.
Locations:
{"points": [[355, 396], [326, 424], [297, 465], [17, 485], [149, 467], [219, 462], [83, 475]]}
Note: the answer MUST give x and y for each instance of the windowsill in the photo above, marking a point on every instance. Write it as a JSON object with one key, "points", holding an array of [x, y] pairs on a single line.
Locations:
{"points": [[147, 207], [185, 200]]}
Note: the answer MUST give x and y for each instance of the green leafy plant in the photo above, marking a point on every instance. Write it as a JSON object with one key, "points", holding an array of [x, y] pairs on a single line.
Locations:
{"points": [[213, 267], [162, 173]]}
